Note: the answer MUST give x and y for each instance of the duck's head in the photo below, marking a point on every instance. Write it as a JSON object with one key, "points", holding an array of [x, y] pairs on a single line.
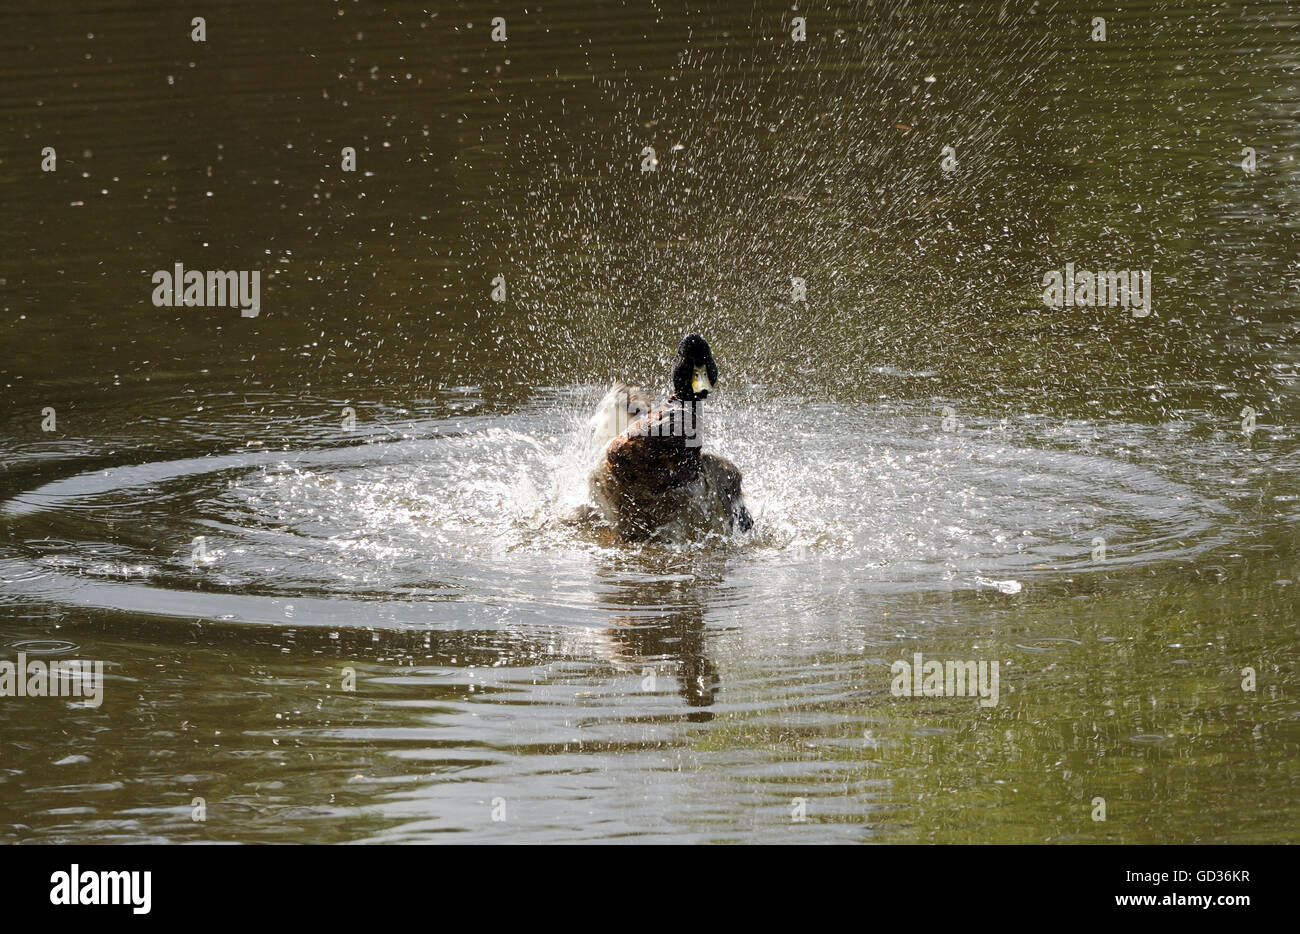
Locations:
{"points": [[694, 372]]}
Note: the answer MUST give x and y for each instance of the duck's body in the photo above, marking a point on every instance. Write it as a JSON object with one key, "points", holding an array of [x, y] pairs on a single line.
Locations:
{"points": [[653, 476]]}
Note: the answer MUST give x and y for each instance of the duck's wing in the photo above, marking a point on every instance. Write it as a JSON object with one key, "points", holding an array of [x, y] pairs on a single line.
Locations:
{"points": [[723, 479], [616, 412]]}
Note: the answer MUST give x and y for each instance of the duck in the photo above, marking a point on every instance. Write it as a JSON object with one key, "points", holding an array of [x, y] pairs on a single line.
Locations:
{"points": [[651, 477]]}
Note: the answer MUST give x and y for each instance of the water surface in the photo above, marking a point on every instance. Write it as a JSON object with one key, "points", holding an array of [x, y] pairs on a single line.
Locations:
{"points": [[392, 631]]}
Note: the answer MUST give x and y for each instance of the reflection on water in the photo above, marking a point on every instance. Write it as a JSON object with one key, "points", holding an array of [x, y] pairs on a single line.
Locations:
{"points": [[659, 617], [392, 630]]}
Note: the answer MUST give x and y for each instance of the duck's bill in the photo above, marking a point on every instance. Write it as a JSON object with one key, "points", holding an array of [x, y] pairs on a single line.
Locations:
{"points": [[700, 382]]}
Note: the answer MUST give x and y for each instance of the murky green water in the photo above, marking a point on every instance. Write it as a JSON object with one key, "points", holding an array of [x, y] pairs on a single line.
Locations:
{"points": [[389, 632]]}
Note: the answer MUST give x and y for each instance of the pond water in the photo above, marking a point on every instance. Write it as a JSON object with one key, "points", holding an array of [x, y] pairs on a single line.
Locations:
{"points": [[327, 554]]}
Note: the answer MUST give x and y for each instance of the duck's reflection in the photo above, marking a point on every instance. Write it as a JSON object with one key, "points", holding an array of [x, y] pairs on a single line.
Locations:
{"points": [[658, 625]]}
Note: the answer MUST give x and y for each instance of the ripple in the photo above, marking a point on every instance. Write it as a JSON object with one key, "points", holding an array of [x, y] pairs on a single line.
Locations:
{"points": [[1046, 643], [43, 646], [467, 521], [1151, 739]]}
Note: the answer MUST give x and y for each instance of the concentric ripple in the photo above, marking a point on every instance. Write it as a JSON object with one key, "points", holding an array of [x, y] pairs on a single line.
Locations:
{"points": [[473, 518]]}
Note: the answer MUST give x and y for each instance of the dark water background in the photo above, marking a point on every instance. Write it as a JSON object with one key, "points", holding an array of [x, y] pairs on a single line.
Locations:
{"points": [[502, 656]]}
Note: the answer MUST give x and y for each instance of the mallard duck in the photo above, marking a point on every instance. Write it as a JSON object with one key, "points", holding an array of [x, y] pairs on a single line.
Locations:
{"points": [[651, 474]]}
